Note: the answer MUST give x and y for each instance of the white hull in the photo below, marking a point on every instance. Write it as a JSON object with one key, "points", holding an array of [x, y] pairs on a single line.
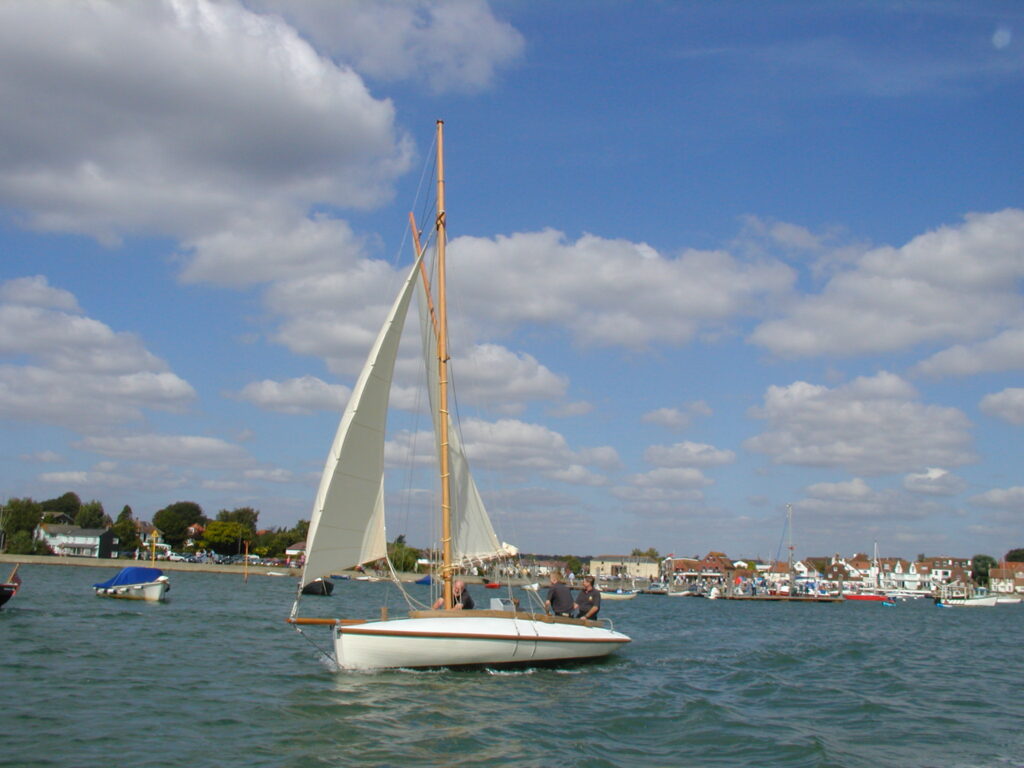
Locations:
{"points": [[443, 640], [1008, 600], [971, 602], [152, 591], [618, 595]]}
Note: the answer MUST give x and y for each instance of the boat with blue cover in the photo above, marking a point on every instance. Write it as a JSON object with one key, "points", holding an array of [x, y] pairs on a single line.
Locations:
{"points": [[135, 583]]}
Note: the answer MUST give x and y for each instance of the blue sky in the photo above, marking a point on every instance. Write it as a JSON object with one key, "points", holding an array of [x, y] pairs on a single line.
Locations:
{"points": [[707, 259]]}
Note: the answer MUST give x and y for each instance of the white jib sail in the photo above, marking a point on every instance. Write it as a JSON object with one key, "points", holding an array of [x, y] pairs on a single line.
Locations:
{"points": [[347, 525], [473, 537]]}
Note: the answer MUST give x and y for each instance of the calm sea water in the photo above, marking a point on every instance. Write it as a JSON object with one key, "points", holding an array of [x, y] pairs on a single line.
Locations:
{"points": [[215, 677]]}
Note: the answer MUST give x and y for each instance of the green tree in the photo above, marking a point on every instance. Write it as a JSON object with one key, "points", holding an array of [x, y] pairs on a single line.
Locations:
{"points": [[126, 532], [247, 516], [91, 515], [1015, 556], [574, 564], [22, 543], [226, 537], [980, 566], [402, 556], [173, 521], [69, 504], [22, 515], [651, 553]]}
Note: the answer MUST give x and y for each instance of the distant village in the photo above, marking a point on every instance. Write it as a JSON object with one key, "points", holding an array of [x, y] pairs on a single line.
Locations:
{"points": [[857, 572], [813, 574]]}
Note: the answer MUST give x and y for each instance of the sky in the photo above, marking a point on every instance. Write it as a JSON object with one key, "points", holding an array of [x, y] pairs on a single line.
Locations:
{"points": [[706, 260]]}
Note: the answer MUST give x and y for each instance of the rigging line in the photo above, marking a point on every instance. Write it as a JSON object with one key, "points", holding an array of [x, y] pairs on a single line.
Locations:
{"points": [[312, 642], [778, 552]]}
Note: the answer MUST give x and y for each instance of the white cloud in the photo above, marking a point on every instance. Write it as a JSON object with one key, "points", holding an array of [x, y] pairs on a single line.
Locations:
{"points": [[250, 251], [683, 478], [840, 510], [509, 444], [107, 475], [174, 116], [42, 457], [873, 426], [1009, 499], [492, 375], [512, 447], [603, 456], [36, 291], [303, 395], [452, 46], [855, 490], [568, 410], [605, 292], [953, 284], [687, 454], [934, 482], [1003, 352], [114, 377], [179, 450], [576, 474], [1007, 405], [270, 475], [675, 418]]}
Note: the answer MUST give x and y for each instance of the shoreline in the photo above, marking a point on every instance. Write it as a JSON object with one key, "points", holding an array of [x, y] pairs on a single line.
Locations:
{"points": [[235, 569]]}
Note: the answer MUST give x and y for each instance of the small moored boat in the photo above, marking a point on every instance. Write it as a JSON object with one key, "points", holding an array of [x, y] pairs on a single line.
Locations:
{"points": [[319, 586], [135, 583], [618, 594]]}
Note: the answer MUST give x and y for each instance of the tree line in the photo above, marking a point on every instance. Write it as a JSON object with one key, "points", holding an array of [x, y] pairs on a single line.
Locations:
{"points": [[227, 533]]}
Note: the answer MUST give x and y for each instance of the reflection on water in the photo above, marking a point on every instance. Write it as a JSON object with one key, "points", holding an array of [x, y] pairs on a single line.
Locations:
{"points": [[217, 676]]}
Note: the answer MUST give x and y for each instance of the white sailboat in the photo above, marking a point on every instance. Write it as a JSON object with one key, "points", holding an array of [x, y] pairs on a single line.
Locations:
{"points": [[347, 524]]}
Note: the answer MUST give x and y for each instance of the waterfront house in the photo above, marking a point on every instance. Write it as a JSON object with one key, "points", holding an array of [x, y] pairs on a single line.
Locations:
{"points": [[716, 567], [296, 554], [945, 570], [624, 567], [193, 535], [1007, 579], [72, 541]]}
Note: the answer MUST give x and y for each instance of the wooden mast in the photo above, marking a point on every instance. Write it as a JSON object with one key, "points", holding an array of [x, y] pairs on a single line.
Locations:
{"points": [[442, 368]]}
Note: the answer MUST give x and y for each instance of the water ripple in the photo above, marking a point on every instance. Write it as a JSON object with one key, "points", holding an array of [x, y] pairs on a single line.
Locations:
{"points": [[215, 677]]}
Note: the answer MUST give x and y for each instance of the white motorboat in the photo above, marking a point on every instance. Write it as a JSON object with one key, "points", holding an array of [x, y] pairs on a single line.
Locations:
{"points": [[135, 583], [347, 526], [962, 595]]}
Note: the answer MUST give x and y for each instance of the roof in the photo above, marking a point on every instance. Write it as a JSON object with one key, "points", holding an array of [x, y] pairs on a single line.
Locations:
{"points": [[57, 529]]}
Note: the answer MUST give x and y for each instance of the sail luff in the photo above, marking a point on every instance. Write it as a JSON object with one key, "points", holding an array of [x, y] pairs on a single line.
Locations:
{"points": [[347, 524]]}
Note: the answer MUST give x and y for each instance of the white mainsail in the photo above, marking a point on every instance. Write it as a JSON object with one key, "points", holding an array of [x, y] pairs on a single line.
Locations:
{"points": [[473, 537], [347, 525]]}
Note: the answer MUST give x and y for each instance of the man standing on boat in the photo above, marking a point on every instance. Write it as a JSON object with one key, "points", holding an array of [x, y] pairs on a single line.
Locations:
{"points": [[461, 599], [559, 600], [588, 601]]}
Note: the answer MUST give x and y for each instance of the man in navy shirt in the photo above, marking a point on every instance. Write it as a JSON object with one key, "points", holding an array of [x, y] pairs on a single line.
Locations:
{"points": [[559, 600], [588, 601]]}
